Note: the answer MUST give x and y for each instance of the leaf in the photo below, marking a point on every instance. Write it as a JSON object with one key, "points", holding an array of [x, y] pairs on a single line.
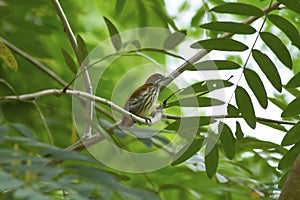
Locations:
{"points": [[196, 102], [69, 61], [24, 130], [227, 140], [278, 103], [292, 136], [203, 121], [114, 34], [268, 68], [287, 27], [174, 39], [203, 86], [229, 27], [188, 152], [222, 44], [4, 128], [7, 57], [294, 82], [288, 159], [232, 111], [256, 86], [292, 109], [245, 106], [291, 4], [213, 65], [238, 132], [82, 50], [119, 6], [239, 9], [272, 125], [198, 16], [278, 48], [211, 161]]}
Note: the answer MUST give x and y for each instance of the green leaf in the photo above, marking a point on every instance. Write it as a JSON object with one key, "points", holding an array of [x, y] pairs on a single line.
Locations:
{"points": [[4, 128], [232, 111], [294, 82], [222, 44], [196, 102], [119, 6], [239, 9], [213, 65], [188, 152], [7, 57], [292, 109], [174, 39], [278, 103], [203, 121], [291, 4], [292, 136], [238, 131], [229, 27], [274, 126], [268, 68], [278, 48], [245, 106], [203, 86], [198, 17], [82, 50], [114, 34], [256, 86], [211, 161], [287, 27], [24, 130], [69, 61], [288, 159], [227, 140]]}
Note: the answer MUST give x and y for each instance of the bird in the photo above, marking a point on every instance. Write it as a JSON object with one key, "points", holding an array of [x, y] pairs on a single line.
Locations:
{"points": [[143, 100]]}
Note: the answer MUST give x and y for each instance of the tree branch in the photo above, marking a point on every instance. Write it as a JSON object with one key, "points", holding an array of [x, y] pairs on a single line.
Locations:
{"points": [[83, 68]]}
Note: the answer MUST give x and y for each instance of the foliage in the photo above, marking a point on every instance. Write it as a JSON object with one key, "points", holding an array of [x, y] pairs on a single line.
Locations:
{"points": [[33, 164]]}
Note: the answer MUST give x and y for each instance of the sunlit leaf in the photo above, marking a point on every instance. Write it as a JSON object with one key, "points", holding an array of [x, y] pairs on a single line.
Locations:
{"points": [[292, 109], [287, 27], [279, 49], [196, 19], [222, 44], [245, 106], [289, 158], [189, 152], [292, 136], [230, 27], [7, 57], [174, 39], [69, 61], [294, 81], [114, 34], [268, 67], [211, 161], [213, 65], [227, 140], [256, 86], [238, 132], [238, 8]]}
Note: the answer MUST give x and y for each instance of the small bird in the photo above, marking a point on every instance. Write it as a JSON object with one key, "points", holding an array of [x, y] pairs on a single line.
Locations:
{"points": [[143, 100]]}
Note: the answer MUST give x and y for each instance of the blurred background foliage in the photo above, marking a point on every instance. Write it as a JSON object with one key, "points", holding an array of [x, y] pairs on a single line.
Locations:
{"points": [[34, 27]]}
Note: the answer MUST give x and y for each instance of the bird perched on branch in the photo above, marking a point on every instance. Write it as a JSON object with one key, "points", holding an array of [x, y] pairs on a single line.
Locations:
{"points": [[143, 100]]}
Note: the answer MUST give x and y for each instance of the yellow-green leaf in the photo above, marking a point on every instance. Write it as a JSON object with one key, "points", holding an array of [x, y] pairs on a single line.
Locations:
{"points": [[7, 57]]}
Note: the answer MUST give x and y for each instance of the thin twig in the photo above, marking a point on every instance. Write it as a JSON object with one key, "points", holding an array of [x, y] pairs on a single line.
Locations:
{"points": [[44, 122], [83, 68]]}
